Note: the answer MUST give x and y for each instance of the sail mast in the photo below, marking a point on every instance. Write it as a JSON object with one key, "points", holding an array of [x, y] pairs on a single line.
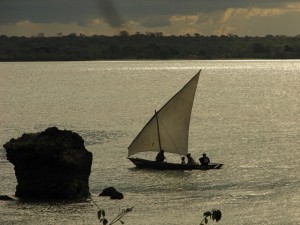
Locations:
{"points": [[159, 142]]}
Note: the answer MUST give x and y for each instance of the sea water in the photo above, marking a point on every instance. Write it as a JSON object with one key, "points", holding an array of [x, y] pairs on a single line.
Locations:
{"points": [[246, 115]]}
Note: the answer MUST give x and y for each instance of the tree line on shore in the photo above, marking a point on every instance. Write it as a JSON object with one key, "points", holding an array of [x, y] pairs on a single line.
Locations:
{"points": [[140, 46]]}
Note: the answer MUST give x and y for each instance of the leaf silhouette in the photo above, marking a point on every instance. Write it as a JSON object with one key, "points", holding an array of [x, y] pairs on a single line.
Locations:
{"points": [[216, 215]]}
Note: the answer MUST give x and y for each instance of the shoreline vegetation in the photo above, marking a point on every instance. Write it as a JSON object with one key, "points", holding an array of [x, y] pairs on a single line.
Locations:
{"points": [[149, 46]]}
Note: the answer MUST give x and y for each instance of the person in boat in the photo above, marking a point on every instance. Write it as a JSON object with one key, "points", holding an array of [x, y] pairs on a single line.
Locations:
{"points": [[191, 160], [183, 161], [204, 160], [160, 156]]}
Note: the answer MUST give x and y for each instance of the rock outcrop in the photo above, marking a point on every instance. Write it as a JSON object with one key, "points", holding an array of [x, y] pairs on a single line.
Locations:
{"points": [[53, 164]]}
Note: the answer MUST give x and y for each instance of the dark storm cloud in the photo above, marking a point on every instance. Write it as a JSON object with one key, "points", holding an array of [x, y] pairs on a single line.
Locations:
{"points": [[110, 13], [59, 11], [167, 7], [157, 21], [241, 17], [45, 11]]}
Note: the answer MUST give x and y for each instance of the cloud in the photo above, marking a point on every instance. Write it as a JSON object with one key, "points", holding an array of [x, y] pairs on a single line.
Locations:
{"points": [[23, 23], [251, 12], [261, 12], [247, 17], [188, 19], [110, 13], [261, 21], [224, 29], [152, 22], [47, 11]]}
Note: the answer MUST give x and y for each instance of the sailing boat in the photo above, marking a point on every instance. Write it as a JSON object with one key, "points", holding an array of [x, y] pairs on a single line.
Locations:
{"points": [[168, 130]]}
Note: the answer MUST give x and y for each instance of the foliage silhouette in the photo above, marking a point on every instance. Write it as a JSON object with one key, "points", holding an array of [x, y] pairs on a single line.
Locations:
{"points": [[102, 215], [146, 46], [214, 215]]}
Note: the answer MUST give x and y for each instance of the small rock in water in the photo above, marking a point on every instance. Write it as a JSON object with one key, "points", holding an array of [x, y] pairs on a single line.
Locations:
{"points": [[6, 198], [112, 193]]}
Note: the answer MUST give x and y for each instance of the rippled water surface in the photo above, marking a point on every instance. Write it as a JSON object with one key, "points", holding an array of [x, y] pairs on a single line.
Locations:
{"points": [[245, 115]]}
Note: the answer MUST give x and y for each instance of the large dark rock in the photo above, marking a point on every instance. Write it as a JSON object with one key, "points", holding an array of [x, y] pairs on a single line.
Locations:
{"points": [[53, 164]]}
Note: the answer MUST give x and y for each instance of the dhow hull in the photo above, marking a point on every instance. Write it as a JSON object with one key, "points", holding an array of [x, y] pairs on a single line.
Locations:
{"points": [[148, 164]]}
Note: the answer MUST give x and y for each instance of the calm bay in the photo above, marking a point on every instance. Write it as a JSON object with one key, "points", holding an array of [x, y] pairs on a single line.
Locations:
{"points": [[245, 115]]}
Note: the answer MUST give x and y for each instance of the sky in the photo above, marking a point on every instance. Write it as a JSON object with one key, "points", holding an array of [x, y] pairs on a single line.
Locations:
{"points": [[171, 17]]}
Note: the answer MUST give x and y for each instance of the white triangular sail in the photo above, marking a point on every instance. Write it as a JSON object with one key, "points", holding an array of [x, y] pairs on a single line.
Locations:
{"points": [[173, 120]]}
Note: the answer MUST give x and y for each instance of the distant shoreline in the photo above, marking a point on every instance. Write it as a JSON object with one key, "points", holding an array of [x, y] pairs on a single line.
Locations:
{"points": [[147, 47]]}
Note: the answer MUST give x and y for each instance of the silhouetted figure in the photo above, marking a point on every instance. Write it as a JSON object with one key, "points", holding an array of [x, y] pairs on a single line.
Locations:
{"points": [[204, 160], [191, 161], [160, 156], [183, 161]]}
